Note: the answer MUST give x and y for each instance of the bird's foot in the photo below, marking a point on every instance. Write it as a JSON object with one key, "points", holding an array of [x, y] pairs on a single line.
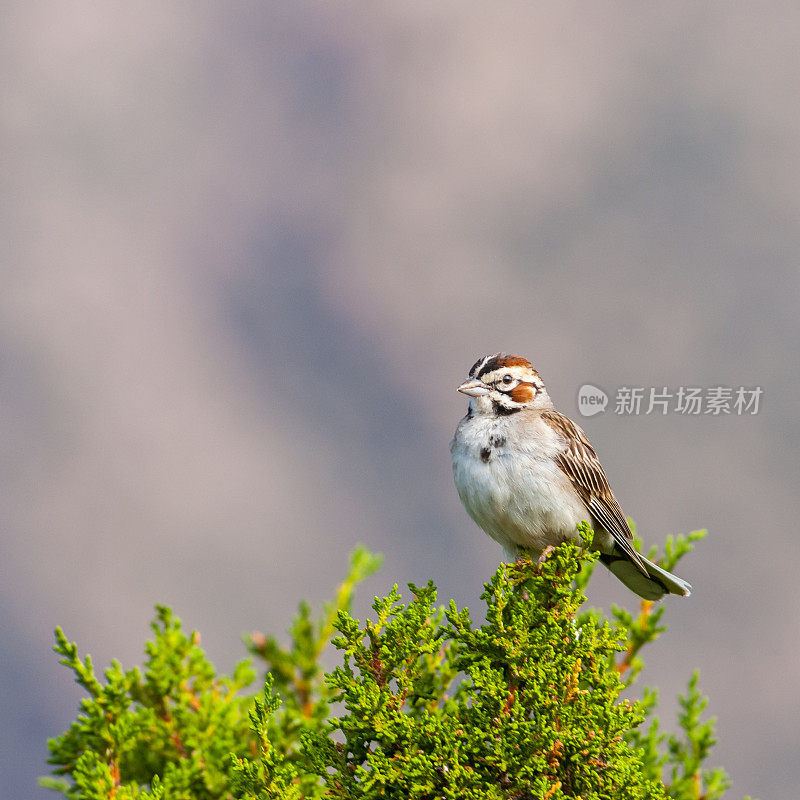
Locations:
{"points": [[545, 553]]}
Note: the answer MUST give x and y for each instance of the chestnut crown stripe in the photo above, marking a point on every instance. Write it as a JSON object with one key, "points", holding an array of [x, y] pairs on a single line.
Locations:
{"points": [[487, 364]]}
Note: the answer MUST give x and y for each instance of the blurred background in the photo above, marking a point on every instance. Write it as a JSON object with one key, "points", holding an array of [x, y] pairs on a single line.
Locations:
{"points": [[249, 250]]}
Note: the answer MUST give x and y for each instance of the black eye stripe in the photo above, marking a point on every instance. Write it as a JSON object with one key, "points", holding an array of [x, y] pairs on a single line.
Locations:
{"points": [[500, 386]]}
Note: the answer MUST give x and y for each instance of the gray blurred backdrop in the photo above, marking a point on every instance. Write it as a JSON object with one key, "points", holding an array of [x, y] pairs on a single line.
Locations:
{"points": [[250, 249]]}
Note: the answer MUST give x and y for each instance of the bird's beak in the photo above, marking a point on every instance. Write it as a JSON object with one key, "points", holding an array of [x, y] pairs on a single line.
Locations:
{"points": [[474, 387]]}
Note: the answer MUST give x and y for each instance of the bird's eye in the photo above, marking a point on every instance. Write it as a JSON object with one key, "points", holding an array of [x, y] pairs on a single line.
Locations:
{"points": [[507, 379]]}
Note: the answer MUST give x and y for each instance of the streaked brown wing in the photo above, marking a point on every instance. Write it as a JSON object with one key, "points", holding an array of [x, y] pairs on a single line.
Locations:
{"points": [[580, 464]]}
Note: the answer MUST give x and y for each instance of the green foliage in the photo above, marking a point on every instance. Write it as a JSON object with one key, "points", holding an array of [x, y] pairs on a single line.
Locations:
{"points": [[175, 720], [425, 703]]}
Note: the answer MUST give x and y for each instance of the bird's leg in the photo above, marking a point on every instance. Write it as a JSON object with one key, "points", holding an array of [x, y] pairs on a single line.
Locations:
{"points": [[545, 553]]}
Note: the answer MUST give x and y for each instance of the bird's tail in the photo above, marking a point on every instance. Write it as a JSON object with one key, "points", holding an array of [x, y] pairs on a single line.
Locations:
{"points": [[653, 587]]}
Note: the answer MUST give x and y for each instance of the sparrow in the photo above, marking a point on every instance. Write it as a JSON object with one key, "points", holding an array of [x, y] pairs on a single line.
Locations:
{"points": [[528, 476]]}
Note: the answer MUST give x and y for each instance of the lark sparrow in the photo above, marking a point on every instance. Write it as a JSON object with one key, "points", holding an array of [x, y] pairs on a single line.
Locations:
{"points": [[528, 476]]}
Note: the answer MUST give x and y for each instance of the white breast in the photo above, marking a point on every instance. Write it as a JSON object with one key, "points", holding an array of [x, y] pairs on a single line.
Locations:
{"points": [[510, 484]]}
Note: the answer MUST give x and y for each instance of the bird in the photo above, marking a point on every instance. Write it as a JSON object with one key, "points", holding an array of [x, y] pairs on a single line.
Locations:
{"points": [[528, 476]]}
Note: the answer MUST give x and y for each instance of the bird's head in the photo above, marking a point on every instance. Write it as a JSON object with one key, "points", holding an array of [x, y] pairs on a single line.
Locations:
{"points": [[501, 385]]}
